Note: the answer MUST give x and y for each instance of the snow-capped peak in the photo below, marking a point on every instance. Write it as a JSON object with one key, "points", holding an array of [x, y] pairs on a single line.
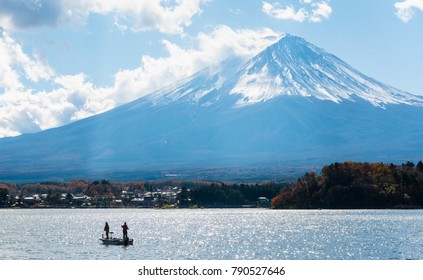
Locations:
{"points": [[292, 66]]}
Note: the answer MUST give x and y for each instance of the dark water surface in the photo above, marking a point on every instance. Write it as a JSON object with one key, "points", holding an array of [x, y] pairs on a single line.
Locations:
{"points": [[213, 234]]}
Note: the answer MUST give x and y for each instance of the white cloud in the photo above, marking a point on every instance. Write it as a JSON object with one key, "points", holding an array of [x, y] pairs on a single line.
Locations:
{"points": [[287, 13], [320, 10], [405, 9], [86, 99], [24, 110], [74, 97], [166, 16], [179, 63], [14, 60], [312, 12]]}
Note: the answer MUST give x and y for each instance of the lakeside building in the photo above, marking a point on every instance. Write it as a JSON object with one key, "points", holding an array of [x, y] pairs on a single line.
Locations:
{"points": [[125, 199]]}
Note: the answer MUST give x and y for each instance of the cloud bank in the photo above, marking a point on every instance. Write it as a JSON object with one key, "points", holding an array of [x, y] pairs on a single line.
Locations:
{"points": [[165, 16], [74, 97]]}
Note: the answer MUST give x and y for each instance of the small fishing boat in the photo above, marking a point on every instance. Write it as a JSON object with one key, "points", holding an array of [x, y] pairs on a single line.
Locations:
{"points": [[116, 241]]}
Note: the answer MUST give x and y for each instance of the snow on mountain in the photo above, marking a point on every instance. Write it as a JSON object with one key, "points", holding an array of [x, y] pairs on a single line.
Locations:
{"points": [[293, 66], [290, 67], [291, 104]]}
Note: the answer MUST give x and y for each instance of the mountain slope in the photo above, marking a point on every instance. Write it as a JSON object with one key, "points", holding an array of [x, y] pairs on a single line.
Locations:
{"points": [[295, 67], [292, 104]]}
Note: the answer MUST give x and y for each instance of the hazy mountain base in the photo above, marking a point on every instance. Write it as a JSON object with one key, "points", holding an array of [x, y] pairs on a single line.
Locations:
{"points": [[279, 143], [227, 174]]}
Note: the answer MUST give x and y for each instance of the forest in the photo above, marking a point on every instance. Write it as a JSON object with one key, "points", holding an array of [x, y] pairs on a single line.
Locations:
{"points": [[229, 195], [353, 185]]}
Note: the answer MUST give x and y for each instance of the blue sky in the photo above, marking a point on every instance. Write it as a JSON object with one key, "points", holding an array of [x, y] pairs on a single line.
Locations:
{"points": [[63, 60]]}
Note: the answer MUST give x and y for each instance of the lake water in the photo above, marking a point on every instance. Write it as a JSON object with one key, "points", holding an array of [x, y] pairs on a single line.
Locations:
{"points": [[213, 234]]}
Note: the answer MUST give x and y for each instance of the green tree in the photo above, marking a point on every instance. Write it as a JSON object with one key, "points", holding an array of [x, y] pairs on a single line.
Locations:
{"points": [[183, 197], [234, 197], [69, 198], [4, 197], [53, 199]]}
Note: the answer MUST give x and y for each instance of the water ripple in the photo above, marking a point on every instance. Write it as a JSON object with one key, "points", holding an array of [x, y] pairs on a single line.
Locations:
{"points": [[213, 234]]}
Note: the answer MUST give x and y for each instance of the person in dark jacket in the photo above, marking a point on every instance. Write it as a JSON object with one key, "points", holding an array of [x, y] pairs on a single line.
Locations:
{"points": [[106, 229], [125, 230]]}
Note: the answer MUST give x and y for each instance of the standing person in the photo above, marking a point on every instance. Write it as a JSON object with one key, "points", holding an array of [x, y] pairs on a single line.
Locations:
{"points": [[106, 229], [125, 231]]}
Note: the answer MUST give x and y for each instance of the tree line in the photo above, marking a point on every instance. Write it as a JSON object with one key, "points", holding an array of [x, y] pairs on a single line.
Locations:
{"points": [[352, 185], [347, 185], [228, 195], [190, 193]]}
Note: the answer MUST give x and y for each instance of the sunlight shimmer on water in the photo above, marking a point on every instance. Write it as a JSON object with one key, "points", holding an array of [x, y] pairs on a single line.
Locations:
{"points": [[213, 234]]}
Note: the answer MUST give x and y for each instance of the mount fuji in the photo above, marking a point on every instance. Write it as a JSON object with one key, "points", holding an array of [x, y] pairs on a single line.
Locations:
{"points": [[293, 104]]}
